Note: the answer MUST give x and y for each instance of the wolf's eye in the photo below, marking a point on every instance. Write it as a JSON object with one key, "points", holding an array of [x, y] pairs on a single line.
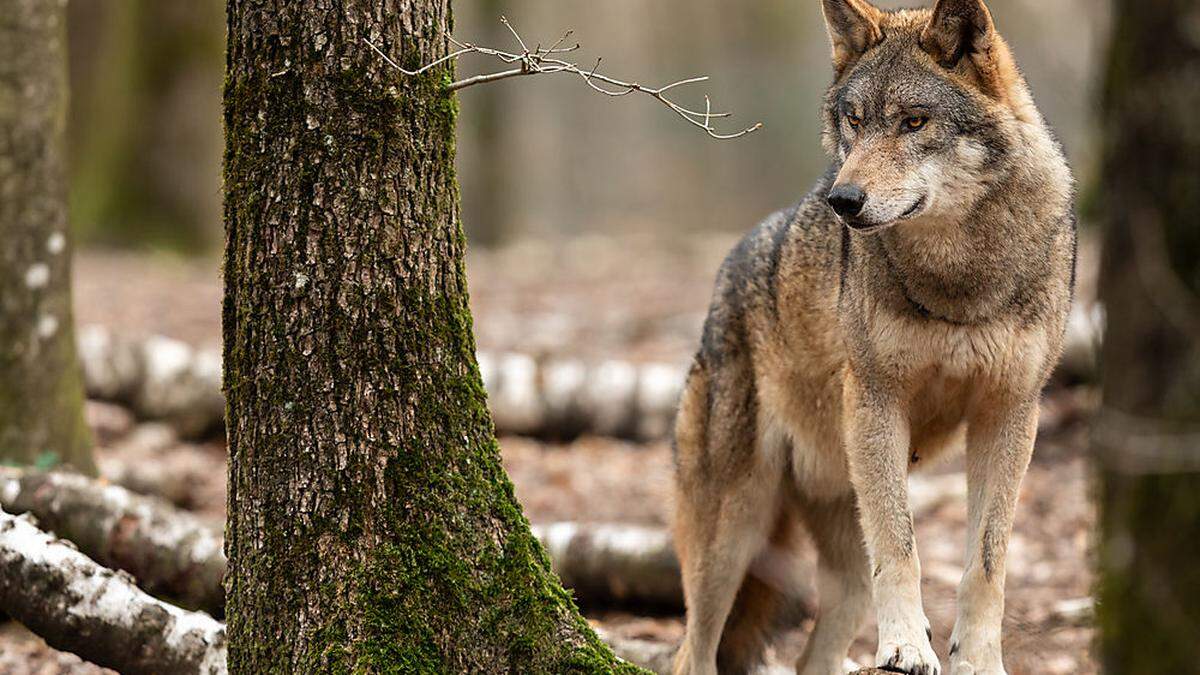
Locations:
{"points": [[915, 123], [854, 120]]}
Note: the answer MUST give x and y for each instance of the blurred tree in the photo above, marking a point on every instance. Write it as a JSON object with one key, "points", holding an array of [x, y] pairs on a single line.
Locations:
{"points": [[371, 525], [41, 393], [490, 196], [1148, 434], [145, 144]]}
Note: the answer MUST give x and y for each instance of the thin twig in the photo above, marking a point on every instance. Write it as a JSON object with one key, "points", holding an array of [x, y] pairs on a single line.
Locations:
{"points": [[542, 61]]}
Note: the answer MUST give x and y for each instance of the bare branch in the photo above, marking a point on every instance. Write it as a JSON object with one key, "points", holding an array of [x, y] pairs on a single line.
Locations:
{"points": [[542, 61]]}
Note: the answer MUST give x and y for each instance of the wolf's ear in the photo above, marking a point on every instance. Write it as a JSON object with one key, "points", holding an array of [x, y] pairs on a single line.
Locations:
{"points": [[958, 28], [853, 29]]}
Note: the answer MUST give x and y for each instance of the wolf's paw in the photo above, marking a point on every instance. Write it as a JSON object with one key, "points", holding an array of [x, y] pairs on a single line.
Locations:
{"points": [[905, 646], [970, 669], [909, 659], [974, 653], [982, 665]]}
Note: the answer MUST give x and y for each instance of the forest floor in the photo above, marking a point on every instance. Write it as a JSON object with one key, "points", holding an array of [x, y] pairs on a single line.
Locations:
{"points": [[635, 300]]}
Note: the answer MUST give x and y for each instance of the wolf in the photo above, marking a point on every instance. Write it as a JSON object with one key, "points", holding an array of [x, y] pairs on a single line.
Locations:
{"points": [[911, 306]]}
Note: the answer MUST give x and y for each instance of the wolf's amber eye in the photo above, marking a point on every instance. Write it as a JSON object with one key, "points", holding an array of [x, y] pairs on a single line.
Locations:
{"points": [[853, 119], [915, 123]]}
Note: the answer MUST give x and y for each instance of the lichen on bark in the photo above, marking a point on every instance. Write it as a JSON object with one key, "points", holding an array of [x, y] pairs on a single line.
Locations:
{"points": [[41, 393], [371, 525]]}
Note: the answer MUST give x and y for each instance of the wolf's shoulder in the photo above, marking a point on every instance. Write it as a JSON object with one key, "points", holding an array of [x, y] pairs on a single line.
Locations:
{"points": [[804, 233], [800, 241]]}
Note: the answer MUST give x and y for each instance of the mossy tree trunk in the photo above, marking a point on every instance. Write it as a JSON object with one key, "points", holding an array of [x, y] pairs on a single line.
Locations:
{"points": [[371, 525], [1148, 433], [41, 394]]}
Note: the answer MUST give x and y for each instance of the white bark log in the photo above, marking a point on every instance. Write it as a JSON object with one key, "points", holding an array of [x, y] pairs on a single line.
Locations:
{"points": [[172, 553], [169, 552], [615, 564], [78, 606], [163, 379], [159, 378]]}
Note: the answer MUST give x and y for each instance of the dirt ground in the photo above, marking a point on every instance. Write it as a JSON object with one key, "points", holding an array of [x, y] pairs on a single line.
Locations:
{"points": [[640, 300]]}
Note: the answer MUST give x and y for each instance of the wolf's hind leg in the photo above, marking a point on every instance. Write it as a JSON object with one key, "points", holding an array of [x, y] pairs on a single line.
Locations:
{"points": [[726, 501], [843, 584], [718, 534]]}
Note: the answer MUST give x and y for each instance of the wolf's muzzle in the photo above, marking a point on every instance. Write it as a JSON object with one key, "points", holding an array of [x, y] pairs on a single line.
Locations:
{"points": [[847, 200]]}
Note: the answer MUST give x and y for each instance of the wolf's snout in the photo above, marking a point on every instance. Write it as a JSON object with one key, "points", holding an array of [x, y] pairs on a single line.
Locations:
{"points": [[847, 200]]}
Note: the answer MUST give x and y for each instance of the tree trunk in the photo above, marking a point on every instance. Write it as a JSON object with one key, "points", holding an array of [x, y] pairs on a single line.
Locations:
{"points": [[1148, 434], [371, 526], [41, 394]]}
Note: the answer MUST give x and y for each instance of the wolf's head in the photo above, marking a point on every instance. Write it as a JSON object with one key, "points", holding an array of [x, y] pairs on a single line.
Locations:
{"points": [[921, 112]]}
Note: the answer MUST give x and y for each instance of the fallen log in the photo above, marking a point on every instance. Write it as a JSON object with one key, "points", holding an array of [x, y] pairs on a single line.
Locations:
{"points": [[158, 378], [78, 606], [609, 564], [629, 565], [164, 379], [170, 552], [174, 554]]}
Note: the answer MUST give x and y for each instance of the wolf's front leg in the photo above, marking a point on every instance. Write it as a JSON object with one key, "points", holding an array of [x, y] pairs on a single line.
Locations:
{"points": [[999, 444], [877, 438]]}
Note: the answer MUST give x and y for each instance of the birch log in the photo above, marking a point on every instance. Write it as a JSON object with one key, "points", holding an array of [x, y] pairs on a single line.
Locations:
{"points": [[78, 606], [169, 551], [164, 379], [172, 553], [561, 397]]}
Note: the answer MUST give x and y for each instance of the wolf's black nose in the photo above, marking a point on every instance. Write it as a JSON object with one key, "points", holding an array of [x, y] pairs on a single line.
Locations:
{"points": [[847, 200]]}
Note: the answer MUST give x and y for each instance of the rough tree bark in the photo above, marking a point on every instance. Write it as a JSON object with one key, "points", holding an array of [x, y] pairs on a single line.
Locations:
{"points": [[41, 394], [1148, 434], [371, 526]]}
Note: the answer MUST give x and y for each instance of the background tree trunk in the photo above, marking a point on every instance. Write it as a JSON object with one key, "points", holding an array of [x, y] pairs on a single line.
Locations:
{"points": [[144, 136], [1148, 434], [41, 393], [489, 180], [371, 525]]}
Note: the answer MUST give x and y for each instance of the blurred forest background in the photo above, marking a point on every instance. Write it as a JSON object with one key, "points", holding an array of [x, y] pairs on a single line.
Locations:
{"points": [[596, 227], [538, 157]]}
